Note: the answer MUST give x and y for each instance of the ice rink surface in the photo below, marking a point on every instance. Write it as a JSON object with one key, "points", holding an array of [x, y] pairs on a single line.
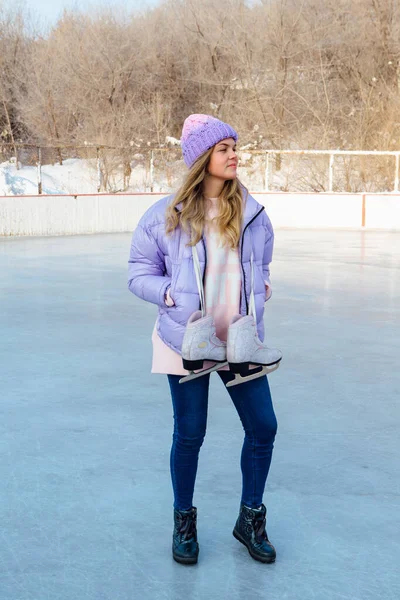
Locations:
{"points": [[86, 499]]}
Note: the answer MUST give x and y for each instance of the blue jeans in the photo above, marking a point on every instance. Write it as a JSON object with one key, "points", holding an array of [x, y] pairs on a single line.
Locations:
{"points": [[253, 403]]}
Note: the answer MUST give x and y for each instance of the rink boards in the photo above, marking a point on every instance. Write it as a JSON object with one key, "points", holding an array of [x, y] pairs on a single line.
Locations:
{"points": [[108, 213]]}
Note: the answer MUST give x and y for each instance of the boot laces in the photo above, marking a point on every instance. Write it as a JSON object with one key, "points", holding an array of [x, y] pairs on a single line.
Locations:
{"points": [[187, 527], [259, 530]]}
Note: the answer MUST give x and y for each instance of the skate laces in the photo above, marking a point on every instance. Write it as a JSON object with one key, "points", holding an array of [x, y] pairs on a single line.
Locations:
{"points": [[252, 303], [197, 272]]}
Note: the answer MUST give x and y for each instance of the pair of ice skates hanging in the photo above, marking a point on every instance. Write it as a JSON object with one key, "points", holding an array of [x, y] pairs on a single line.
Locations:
{"points": [[242, 349]]}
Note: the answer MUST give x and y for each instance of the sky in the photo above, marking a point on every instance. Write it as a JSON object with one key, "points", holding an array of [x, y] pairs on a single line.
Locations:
{"points": [[48, 11]]}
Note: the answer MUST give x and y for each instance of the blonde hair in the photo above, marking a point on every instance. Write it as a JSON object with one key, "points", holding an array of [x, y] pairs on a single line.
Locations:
{"points": [[192, 215]]}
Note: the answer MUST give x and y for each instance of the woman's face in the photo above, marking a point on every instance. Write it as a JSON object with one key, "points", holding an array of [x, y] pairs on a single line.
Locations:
{"points": [[223, 161]]}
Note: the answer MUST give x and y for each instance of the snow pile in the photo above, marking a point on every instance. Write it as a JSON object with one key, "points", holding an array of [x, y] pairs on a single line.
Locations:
{"points": [[74, 176], [165, 172], [173, 141], [79, 176]]}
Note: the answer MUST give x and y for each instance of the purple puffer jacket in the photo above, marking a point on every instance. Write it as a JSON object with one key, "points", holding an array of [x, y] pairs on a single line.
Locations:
{"points": [[158, 261]]}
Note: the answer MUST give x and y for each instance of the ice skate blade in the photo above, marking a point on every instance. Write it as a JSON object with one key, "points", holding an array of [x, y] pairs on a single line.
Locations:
{"points": [[242, 379], [193, 375]]}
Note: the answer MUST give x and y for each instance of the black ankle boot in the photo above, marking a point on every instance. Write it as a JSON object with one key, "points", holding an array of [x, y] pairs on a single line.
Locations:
{"points": [[250, 530], [185, 548]]}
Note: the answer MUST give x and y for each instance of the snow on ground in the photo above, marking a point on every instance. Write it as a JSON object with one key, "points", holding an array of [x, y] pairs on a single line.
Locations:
{"points": [[73, 176], [165, 174], [79, 176]]}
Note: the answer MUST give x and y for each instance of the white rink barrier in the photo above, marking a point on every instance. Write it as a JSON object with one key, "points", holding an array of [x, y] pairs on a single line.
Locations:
{"points": [[76, 214], [106, 213]]}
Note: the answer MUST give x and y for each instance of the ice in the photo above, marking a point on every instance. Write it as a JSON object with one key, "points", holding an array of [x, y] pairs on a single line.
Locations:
{"points": [[86, 499]]}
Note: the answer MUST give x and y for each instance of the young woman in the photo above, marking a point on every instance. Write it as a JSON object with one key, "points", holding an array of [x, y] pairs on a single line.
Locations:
{"points": [[209, 246]]}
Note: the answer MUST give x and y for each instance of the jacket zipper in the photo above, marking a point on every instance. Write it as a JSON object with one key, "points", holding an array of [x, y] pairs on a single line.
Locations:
{"points": [[241, 262], [205, 267]]}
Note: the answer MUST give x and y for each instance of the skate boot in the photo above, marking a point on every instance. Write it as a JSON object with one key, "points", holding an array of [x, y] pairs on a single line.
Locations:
{"points": [[250, 531], [185, 548], [244, 349], [200, 343]]}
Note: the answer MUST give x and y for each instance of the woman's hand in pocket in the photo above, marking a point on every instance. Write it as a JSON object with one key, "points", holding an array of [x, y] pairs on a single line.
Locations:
{"points": [[168, 300], [268, 291]]}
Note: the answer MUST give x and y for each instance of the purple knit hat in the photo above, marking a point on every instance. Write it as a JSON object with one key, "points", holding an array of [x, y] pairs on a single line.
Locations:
{"points": [[201, 132]]}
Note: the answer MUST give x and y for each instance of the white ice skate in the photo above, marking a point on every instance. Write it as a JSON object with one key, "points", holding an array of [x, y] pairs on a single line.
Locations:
{"points": [[200, 343], [244, 348]]}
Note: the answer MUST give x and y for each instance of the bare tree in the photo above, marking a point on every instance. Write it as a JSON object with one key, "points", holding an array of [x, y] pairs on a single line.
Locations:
{"points": [[286, 73], [14, 48]]}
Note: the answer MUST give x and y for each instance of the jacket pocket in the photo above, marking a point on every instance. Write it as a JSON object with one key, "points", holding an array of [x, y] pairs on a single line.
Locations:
{"points": [[259, 283], [173, 281]]}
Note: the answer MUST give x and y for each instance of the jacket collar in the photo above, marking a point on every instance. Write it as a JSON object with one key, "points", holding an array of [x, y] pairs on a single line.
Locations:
{"points": [[251, 208]]}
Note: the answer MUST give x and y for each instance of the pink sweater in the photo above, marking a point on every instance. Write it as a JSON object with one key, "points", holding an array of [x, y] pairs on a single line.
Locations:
{"points": [[222, 295]]}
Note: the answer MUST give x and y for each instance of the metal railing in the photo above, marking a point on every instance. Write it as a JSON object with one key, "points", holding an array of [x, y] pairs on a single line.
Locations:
{"points": [[267, 164], [331, 154]]}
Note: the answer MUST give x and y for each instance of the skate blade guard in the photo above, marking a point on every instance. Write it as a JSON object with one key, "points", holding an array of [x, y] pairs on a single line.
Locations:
{"points": [[192, 375], [243, 373]]}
